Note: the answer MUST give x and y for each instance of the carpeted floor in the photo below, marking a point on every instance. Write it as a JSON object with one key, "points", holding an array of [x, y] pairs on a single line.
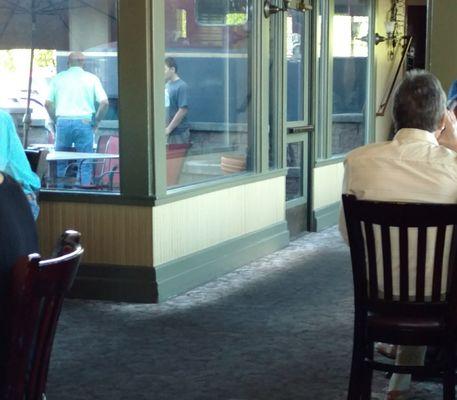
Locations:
{"points": [[277, 329]]}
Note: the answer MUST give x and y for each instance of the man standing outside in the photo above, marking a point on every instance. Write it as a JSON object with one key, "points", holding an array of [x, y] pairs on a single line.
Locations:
{"points": [[418, 165], [72, 105], [177, 129]]}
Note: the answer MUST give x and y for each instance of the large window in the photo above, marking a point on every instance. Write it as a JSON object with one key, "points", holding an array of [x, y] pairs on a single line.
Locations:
{"points": [[350, 74], [208, 89], [343, 31], [59, 79]]}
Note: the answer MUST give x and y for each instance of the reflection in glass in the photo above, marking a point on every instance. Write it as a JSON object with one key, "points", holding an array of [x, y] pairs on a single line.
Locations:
{"points": [[209, 43], [350, 74], [294, 178], [60, 30]]}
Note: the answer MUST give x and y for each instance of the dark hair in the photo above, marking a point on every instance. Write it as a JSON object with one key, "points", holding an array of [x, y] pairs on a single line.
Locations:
{"points": [[170, 62], [419, 102]]}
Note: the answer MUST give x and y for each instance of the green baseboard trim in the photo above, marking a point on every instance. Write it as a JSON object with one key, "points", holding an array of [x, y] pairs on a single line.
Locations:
{"points": [[181, 275], [325, 217], [115, 283], [297, 220]]}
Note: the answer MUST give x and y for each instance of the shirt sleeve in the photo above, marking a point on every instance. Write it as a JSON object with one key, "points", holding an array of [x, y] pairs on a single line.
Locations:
{"points": [[6, 125], [13, 160], [182, 96], [100, 93]]}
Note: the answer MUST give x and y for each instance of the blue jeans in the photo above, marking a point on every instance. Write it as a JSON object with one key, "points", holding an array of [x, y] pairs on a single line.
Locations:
{"points": [[77, 132]]}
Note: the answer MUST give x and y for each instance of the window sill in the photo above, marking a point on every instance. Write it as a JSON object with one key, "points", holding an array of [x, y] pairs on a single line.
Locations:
{"points": [[329, 161]]}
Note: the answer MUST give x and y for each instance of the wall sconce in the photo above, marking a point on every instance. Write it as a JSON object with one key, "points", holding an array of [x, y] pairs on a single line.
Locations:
{"points": [[393, 26], [270, 9], [299, 5]]}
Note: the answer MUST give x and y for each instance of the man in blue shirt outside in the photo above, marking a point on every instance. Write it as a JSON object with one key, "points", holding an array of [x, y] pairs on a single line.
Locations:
{"points": [[72, 104], [13, 161], [177, 129]]}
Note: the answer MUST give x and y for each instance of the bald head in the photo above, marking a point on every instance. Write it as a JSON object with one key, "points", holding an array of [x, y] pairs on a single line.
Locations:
{"points": [[76, 59]]}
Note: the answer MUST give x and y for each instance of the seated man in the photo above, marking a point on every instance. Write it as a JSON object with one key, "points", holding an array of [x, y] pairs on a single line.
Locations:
{"points": [[13, 161], [18, 237], [418, 165]]}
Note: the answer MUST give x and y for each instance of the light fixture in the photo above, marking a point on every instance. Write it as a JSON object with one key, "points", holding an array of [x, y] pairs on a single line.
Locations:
{"points": [[270, 9], [393, 26], [299, 5]]}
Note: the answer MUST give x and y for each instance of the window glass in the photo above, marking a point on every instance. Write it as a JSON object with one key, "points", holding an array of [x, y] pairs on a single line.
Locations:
{"points": [[350, 74], [73, 95], [295, 65], [294, 178], [207, 91], [273, 115]]}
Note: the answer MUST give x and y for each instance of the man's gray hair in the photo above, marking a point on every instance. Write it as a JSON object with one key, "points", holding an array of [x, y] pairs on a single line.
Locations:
{"points": [[419, 102]]}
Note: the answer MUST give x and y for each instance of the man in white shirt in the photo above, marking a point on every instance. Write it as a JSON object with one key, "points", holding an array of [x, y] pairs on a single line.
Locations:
{"points": [[418, 165], [72, 104]]}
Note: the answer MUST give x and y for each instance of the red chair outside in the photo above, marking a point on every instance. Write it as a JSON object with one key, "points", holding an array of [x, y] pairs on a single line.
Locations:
{"points": [[109, 176], [35, 298], [101, 148]]}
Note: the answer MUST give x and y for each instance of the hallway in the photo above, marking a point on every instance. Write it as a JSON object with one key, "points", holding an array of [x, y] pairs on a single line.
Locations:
{"points": [[278, 328]]}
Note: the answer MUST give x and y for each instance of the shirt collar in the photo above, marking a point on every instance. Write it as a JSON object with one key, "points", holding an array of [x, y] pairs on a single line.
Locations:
{"points": [[419, 135]]}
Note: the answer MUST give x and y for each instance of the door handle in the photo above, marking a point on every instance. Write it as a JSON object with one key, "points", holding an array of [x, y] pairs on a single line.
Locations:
{"points": [[301, 129]]}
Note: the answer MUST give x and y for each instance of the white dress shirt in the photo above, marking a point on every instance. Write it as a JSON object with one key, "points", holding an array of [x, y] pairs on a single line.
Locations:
{"points": [[413, 167]]}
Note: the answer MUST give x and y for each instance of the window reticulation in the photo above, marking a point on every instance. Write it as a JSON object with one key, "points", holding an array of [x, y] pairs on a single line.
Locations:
{"points": [[207, 90], [69, 106]]}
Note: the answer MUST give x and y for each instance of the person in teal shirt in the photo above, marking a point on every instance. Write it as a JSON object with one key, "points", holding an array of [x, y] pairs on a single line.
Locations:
{"points": [[13, 161]]}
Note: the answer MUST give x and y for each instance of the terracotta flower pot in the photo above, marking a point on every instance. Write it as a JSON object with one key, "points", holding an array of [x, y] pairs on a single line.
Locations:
{"points": [[233, 163]]}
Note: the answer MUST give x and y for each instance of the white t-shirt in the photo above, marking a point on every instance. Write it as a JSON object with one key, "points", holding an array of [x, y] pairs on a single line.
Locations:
{"points": [[74, 93]]}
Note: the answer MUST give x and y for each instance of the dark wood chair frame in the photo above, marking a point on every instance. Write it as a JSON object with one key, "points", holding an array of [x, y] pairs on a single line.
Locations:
{"points": [[34, 303], [382, 317]]}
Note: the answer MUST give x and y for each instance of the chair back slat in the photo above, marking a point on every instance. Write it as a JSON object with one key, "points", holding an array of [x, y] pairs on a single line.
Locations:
{"points": [[438, 263], [387, 262], [421, 257], [35, 298], [45, 337], [417, 267], [372, 269], [404, 264], [452, 273]]}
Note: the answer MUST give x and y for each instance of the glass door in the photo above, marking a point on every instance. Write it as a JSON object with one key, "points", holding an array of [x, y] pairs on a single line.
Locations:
{"points": [[298, 121]]}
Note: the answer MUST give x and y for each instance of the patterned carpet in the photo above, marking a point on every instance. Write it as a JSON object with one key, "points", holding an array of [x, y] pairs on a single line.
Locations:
{"points": [[279, 328]]}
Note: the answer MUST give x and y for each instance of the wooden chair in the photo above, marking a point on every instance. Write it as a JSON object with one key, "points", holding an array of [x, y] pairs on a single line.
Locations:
{"points": [[34, 302], [417, 308], [38, 163], [33, 157]]}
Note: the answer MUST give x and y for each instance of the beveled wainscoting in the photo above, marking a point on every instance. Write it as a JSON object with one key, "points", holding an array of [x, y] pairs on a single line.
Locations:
{"points": [[111, 234], [191, 225]]}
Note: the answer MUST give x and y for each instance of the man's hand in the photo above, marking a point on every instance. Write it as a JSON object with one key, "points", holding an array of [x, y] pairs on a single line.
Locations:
{"points": [[448, 136], [167, 131]]}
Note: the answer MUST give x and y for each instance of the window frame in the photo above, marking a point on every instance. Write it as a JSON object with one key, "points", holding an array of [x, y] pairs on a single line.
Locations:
{"points": [[142, 147], [324, 109], [309, 90]]}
